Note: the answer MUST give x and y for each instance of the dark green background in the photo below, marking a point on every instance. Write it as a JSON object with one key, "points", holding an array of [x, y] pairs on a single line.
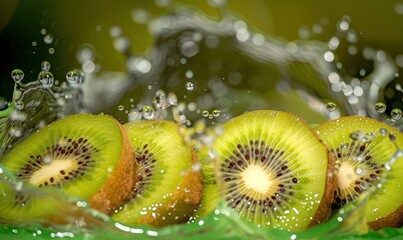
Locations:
{"points": [[73, 23]]}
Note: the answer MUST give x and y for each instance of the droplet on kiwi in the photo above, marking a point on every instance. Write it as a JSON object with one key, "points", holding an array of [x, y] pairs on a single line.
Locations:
{"points": [[362, 149], [84, 156], [273, 170]]}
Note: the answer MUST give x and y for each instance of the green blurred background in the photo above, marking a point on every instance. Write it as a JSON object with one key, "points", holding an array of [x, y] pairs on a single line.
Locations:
{"points": [[75, 23]]}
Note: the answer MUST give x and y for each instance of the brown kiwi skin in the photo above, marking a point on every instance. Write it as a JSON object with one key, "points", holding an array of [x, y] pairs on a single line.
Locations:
{"points": [[184, 203], [394, 220], [118, 186], [324, 211]]}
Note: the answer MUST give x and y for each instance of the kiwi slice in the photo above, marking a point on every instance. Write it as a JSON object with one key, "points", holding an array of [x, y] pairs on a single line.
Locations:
{"points": [[85, 156], [362, 149], [274, 170], [168, 185], [211, 192]]}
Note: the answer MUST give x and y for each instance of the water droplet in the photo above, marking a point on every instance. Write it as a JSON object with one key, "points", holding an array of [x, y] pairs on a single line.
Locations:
{"points": [[51, 50], [134, 115], [357, 135], [17, 75], [172, 99], [192, 106], [210, 116], [396, 114], [380, 107], [148, 112], [383, 131], [75, 78], [189, 86], [34, 43], [45, 66], [216, 113], [205, 113], [46, 78], [331, 106], [48, 38], [121, 107], [19, 105]]}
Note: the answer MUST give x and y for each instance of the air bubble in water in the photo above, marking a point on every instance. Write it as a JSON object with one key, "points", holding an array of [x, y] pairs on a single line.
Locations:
{"points": [[189, 86], [121, 107], [46, 78], [380, 107], [396, 114], [331, 106], [75, 78], [148, 112], [45, 66], [205, 113], [51, 50], [17, 75], [48, 38], [34, 43]]}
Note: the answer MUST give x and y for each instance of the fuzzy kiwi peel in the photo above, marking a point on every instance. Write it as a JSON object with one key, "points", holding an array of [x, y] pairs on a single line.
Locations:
{"points": [[168, 186], [361, 148], [85, 156], [273, 170]]}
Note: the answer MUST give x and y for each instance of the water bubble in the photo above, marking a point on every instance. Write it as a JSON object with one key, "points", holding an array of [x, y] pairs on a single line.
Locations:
{"points": [[331, 106], [189, 49], [134, 115], [51, 50], [210, 116], [45, 66], [46, 78], [88, 66], [140, 16], [172, 99], [383, 131], [121, 107], [75, 78], [48, 38], [148, 112], [357, 135], [34, 43], [189, 86], [17, 75], [205, 113], [115, 31], [19, 105], [192, 106], [380, 107], [396, 114], [216, 113], [121, 44], [328, 56]]}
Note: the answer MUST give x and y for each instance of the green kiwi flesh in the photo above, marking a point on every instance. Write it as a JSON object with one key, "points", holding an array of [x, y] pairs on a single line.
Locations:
{"points": [[273, 170], [84, 156], [362, 148], [211, 191], [168, 185]]}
